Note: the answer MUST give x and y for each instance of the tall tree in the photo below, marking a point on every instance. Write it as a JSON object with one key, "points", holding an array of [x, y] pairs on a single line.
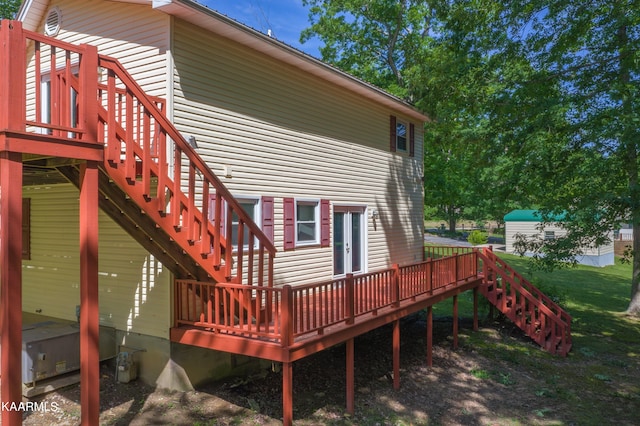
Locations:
{"points": [[418, 50], [9, 8], [590, 51]]}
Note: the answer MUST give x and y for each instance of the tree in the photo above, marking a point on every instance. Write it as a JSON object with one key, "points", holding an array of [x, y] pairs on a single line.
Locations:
{"points": [[419, 51], [533, 103], [589, 52], [9, 8]]}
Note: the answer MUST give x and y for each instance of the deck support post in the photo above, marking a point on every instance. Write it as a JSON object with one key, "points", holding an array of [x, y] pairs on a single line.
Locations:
{"points": [[396, 354], [89, 307], [350, 377], [430, 336], [11, 284], [287, 393], [475, 309], [455, 322]]}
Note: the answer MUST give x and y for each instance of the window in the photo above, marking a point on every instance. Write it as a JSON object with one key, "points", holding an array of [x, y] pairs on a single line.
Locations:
{"points": [[250, 206], [48, 115], [260, 210], [306, 223], [549, 235], [402, 136]]}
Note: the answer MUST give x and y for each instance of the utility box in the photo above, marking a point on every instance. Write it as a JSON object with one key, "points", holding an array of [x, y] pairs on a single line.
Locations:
{"points": [[51, 348]]}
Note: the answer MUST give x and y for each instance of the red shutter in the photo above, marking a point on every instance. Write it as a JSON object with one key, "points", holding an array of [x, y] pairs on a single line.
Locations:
{"points": [[289, 223], [267, 217], [392, 133], [325, 224], [412, 140]]}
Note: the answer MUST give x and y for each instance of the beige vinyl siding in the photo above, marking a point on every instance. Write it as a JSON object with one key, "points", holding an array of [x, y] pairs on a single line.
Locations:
{"points": [[283, 133], [134, 34], [134, 289]]}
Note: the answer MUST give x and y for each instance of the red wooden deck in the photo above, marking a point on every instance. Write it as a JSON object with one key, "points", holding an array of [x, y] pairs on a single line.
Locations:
{"points": [[288, 323]]}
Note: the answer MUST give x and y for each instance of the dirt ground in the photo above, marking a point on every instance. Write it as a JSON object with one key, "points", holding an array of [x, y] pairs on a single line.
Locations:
{"points": [[462, 388]]}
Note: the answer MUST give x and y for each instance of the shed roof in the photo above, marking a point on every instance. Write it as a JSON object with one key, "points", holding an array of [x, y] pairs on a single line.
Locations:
{"points": [[529, 216]]}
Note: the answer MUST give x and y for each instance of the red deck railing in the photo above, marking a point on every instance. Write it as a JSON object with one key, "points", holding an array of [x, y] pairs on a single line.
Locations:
{"points": [[285, 314], [71, 97]]}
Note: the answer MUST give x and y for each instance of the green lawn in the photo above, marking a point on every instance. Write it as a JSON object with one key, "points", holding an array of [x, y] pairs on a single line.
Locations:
{"points": [[600, 379]]}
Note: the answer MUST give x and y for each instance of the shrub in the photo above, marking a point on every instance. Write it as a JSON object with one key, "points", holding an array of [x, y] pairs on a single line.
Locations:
{"points": [[477, 237]]}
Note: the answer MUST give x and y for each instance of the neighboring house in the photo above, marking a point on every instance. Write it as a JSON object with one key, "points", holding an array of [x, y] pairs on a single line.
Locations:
{"points": [[329, 167], [529, 223]]}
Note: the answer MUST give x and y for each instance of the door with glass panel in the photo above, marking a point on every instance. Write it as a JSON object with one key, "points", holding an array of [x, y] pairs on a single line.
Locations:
{"points": [[349, 240]]}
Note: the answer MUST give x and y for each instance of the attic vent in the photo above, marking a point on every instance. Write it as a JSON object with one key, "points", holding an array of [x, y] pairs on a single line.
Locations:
{"points": [[52, 24]]}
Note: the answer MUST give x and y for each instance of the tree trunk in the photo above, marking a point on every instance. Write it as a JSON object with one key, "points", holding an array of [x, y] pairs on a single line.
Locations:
{"points": [[634, 303], [630, 149]]}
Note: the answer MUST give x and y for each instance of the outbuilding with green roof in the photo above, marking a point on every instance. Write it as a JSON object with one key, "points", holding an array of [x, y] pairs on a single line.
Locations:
{"points": [[529, 223]]}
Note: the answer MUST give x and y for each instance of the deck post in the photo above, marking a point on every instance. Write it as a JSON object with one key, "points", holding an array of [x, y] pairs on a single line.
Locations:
{"points": [[11, 283], [287, 393], [475, 309], [396, 284], [455, 322], [349, 300], [396, 354], [89, 307], [430, 336], [12, 76], [350, 377]]}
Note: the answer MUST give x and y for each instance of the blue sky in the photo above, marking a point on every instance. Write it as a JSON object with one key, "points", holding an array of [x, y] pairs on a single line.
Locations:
{"points": [[285, 18]]}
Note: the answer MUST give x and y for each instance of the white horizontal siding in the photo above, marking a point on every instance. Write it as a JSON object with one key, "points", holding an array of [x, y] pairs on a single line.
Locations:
{"points": [[134, 289], [286, 134]]}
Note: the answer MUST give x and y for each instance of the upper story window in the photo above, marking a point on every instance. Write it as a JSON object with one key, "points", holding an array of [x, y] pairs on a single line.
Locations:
{"points": [[402, 136], [549, 235]]}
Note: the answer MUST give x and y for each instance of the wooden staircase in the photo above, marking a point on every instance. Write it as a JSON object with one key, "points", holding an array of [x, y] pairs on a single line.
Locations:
{"points": [[524, 304], [152, 182]]}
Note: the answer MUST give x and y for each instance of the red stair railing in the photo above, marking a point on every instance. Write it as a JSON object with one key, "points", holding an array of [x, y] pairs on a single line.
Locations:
{"points": [[532, 311], [71, 96]]}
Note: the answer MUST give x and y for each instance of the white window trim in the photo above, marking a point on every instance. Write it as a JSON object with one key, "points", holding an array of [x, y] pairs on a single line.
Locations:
{"points": [[316, 215]]}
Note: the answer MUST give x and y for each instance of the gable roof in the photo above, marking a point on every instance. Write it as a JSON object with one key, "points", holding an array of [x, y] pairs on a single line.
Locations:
{"points": [[32, 12]]}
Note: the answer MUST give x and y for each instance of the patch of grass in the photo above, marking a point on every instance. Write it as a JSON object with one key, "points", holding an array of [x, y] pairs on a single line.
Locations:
{"points": [[480, 374], [604, 362]]}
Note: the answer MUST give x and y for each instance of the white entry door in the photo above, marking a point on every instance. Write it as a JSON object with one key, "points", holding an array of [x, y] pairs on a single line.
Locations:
{"points": [[349, 240]]}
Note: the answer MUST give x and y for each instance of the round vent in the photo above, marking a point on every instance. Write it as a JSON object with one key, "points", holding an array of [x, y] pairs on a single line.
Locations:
{"points": [[52, 24]]}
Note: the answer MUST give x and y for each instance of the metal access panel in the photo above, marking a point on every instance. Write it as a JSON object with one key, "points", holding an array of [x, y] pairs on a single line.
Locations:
{"points": [[49, 348]]}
